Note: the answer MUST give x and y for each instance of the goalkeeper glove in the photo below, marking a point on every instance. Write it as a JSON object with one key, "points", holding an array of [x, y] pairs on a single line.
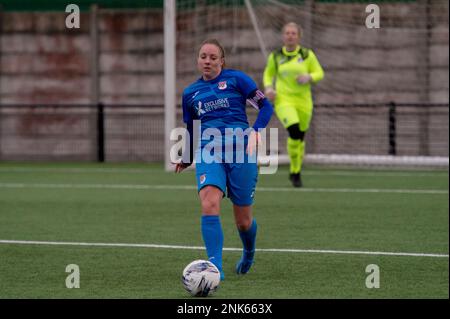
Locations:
{"points": [[304, 79], [270, 93]]}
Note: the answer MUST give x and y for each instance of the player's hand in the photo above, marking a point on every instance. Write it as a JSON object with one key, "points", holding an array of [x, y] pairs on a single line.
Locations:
{"points": [[304, 78], [253, 141], [270, 94], [179, 167]]}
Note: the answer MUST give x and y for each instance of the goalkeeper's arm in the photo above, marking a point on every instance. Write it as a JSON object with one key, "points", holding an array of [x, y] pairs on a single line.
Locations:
{"points": [[315, 69]]}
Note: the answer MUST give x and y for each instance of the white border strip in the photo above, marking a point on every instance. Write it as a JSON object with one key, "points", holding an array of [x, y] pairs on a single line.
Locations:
{"points": [[373, 172], [192, 187], [349, 252], [367, 160], [308, 172]]}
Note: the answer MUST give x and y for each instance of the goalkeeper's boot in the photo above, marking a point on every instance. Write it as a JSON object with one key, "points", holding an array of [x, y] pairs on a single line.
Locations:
{"points": [[245, 263], [296, 180]]}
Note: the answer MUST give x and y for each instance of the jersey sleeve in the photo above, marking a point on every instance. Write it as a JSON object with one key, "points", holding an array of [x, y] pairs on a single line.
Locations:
{"points": [[269, 71], [187, 115], [245, 84], [187, 156], [315, 69], [257, 99]]}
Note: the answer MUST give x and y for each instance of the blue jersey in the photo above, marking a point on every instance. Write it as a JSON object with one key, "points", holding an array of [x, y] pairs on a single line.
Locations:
{"points": [[220, 103]]}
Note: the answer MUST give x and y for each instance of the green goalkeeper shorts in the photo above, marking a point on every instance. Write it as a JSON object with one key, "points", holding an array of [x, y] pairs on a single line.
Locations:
{"points": [[289, 115]]}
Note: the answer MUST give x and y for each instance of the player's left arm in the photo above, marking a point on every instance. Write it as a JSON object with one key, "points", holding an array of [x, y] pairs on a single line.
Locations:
{"points": [[255, 98], [258, 100], [315, 69]]}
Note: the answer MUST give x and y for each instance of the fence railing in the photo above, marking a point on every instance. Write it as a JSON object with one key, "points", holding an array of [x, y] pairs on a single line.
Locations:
{"points": [[135, 133]]}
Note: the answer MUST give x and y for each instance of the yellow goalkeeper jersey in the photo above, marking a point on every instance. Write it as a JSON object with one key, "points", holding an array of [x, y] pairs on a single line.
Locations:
{"points": [[281, 73]]}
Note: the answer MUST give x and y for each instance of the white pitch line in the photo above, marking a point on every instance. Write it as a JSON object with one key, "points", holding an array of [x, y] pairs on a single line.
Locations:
{"points": [[70, 170], [351, 190], [192, 187], [374, 174], [98, 186], [73, 170], [318, 251]]}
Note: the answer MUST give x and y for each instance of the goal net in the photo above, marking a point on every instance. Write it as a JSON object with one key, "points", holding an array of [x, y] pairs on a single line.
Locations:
{"points": [[384, 98]]}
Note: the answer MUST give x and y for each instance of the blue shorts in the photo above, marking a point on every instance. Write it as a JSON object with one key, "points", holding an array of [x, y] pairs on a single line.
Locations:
{"points": [[239, 179]]}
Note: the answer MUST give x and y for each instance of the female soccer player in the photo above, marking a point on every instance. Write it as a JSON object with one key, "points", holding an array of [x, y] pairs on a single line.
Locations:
{"points": [[288, 76], [218, 99]]}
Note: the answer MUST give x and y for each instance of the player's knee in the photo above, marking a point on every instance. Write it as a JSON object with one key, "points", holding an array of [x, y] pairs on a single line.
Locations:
{"points": [[295, 133], [210, 205], [243, 223], [210, 198]]}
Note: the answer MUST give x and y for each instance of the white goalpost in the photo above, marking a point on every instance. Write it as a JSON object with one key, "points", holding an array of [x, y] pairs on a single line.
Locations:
{"points": [[170, 92]]}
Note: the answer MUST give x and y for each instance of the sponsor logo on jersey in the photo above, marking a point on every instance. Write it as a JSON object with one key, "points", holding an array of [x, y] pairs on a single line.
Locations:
{"points": [[216, 104], [222, 85], [200, 111], [205, 107], [202, 178]]}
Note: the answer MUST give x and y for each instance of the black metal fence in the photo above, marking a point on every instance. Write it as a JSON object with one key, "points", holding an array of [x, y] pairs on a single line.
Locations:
{"points": [[404, 129], [135, 133]]}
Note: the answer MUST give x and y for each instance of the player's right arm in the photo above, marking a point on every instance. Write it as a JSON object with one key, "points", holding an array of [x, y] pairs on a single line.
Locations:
{"points": [[187, 156], [269, 77]]}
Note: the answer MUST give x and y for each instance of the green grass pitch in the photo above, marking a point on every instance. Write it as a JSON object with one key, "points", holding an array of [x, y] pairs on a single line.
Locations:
{"points": [[339, 211]]}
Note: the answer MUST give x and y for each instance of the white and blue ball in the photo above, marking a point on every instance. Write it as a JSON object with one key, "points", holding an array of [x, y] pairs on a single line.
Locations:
{"points": [[201, 278]]}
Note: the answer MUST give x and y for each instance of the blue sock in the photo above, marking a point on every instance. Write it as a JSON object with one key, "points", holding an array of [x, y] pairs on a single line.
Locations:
{"points": [[248, 238], [213, 238]]}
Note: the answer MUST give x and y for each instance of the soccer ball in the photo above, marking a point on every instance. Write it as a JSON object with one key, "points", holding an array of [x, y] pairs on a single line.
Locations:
{"points": [[201, 278]]}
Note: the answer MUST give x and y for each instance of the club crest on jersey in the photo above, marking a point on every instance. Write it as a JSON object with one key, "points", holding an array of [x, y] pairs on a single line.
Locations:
{"points": [[202, 178], [222, 85], [300, 60]]}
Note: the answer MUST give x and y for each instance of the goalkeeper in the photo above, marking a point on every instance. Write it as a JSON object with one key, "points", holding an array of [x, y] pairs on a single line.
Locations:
{"points": [[288, 76]]}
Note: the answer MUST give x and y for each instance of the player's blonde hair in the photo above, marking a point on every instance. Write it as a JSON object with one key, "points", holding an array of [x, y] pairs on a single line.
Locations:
{"points": [[294, 25]]}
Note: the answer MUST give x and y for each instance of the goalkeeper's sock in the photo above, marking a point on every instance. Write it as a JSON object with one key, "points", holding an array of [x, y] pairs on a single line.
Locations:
{"points": [[248, 239], [302, 154], [213, 238], [293, 148]]}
